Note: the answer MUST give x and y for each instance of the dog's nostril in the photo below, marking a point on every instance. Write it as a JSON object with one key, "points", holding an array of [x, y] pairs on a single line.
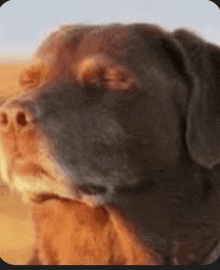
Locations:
{"points": [[21, 119], [3, 118]]}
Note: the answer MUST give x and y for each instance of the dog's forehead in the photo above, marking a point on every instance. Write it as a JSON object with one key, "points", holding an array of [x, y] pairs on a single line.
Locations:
{"points": [[86, 37], [69, 46], [81, 41], [112, 40], [117, 41]]}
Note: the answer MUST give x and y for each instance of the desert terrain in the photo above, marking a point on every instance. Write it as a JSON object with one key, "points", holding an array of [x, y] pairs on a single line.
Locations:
{"points": [[16, 231]]}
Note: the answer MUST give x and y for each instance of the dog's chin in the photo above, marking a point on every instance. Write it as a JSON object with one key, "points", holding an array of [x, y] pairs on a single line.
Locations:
{"points": [[38, 185], [35, 183]]}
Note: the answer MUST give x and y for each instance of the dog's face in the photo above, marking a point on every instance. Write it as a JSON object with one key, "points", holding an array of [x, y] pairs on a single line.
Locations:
{"points": [[83, 124], [109, 111]]}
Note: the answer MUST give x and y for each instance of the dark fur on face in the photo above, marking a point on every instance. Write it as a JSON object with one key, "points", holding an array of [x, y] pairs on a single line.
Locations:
{"points": [[122, 119]]}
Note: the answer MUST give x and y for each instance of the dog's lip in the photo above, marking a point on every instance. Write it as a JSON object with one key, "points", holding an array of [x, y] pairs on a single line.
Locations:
{"points": [[23, 166], [43, 197]]}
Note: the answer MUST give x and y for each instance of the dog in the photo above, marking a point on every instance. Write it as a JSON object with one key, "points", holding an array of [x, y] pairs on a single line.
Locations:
{"points": [[115, 142]]}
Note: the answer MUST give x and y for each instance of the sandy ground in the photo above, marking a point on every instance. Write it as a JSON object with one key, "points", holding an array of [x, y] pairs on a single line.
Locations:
{"points": [[16, 231], [9, 73]]}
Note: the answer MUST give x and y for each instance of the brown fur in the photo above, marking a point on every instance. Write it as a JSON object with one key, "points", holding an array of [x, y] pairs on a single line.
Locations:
{"points": [[33, 74], [109, 144], [71, 232]]}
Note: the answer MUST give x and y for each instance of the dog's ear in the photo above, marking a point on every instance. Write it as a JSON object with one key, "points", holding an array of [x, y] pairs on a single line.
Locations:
{"points": [[203, 116]]}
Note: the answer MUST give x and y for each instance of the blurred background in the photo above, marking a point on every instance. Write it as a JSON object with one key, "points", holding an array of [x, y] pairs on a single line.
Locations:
{"points": [[24, 23]]}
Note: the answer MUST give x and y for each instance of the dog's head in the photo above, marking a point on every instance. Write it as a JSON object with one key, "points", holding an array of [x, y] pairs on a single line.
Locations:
{"points": [[109, 110]]}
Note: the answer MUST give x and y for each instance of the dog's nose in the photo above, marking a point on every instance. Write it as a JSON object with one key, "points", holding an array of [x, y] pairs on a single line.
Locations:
{"points": [[20, 113]]}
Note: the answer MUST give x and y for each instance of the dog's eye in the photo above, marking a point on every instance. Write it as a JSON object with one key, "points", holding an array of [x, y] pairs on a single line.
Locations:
{"points": [[103, 73], [33, 75]]}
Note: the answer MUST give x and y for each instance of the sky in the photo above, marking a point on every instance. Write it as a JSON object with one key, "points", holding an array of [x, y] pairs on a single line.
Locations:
{"points": [[26, 23]]}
